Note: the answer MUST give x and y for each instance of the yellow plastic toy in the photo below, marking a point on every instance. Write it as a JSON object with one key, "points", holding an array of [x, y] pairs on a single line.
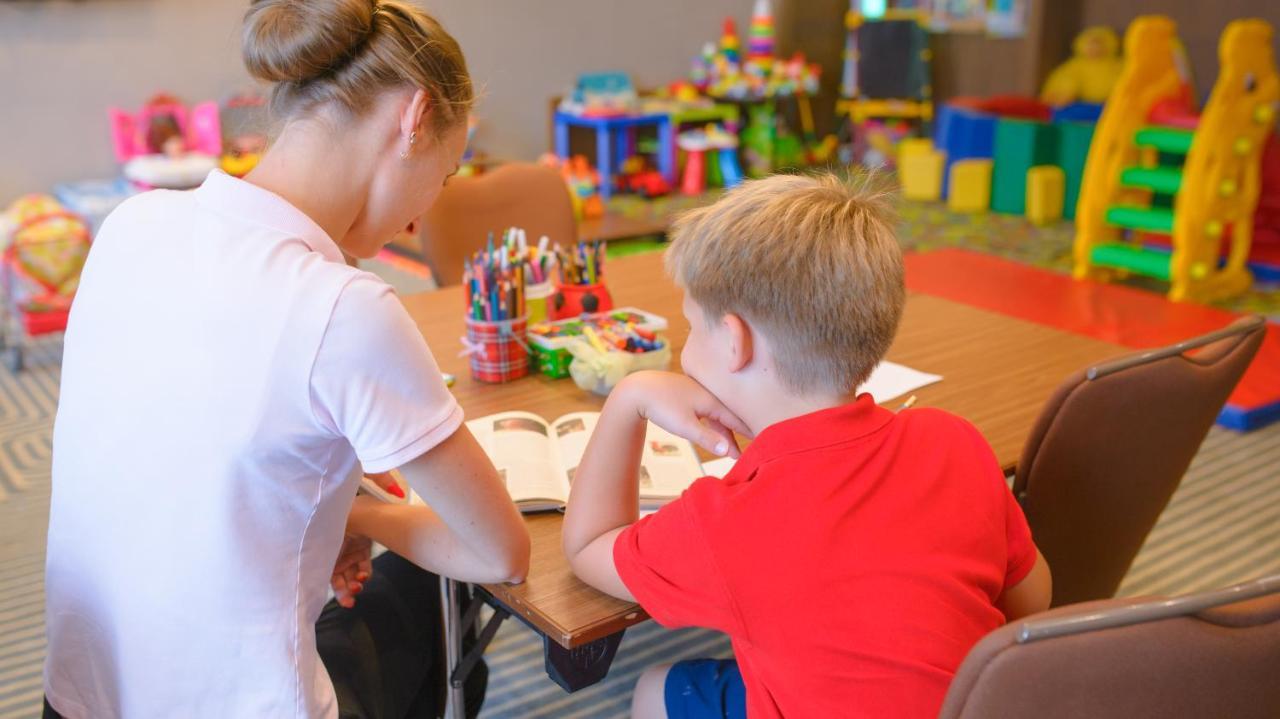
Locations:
{"points": [[970, 186], [1216, 188], [920, 169], [1091, 72], [914, 145], [239, 165], [1046, 194]]}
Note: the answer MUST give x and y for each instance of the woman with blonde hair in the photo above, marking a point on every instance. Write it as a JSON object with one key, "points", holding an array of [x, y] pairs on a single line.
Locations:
{"points": [[226, 379]]}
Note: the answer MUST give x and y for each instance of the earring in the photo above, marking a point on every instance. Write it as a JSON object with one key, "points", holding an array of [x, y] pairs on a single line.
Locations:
{"points": [[413, 137]]}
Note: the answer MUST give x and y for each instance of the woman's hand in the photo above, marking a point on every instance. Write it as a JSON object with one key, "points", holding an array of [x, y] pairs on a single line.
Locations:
{"points": [[352, 570], [387, 483]]}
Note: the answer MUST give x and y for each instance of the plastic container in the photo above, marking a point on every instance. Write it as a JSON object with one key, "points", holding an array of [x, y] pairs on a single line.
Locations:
{"points": [[600, 372], [574, 300]]}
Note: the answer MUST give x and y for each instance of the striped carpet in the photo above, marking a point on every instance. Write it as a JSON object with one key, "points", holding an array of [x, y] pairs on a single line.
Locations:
{"points": [[27, 406], [1223, 526]]}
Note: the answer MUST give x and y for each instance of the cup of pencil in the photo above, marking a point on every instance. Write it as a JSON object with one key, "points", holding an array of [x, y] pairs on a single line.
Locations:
{"points": [[498, 350], [581, 288], [494, 281], [539, 267]]}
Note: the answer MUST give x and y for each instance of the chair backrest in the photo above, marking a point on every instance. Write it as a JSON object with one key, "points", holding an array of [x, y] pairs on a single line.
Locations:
{"points": [[1110, 448], [1215, 654], [533, 197]]}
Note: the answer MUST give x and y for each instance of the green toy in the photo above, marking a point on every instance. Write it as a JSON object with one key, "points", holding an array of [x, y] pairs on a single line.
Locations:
{"points": [[552, 363], [1019, 146], [758, 138], [1073, 150]]}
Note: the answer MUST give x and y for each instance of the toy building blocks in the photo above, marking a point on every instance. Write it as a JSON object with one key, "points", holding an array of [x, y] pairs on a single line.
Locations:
{"points": [[970, 186], [1019, 146], [1046, 189], [920, 169]]}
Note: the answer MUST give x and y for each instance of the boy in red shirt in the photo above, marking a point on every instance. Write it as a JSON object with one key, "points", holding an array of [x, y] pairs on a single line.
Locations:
{"points": [[853, 555]]}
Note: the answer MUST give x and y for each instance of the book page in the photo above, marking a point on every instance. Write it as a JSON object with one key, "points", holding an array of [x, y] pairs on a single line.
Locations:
{"points": [[519, 445], [571, 432], [668, 465]]}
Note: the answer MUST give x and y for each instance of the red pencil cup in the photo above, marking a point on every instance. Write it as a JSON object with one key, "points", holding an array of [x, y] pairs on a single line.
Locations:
{"points": [[573, 300], [498, 350]]}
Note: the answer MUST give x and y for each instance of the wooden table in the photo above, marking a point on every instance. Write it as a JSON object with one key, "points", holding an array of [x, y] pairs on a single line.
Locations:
{"points": [[997, 373]]}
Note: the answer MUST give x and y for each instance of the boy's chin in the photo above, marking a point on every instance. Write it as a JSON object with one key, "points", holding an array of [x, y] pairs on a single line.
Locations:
{"points": [[724, 392]]}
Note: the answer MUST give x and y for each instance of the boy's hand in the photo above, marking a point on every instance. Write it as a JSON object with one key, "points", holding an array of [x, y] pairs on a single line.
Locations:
{"points": [[684, 408]]}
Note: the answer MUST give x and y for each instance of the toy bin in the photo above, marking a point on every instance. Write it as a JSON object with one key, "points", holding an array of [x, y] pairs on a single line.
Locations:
{"points": [[549, 341], [598, 372]]}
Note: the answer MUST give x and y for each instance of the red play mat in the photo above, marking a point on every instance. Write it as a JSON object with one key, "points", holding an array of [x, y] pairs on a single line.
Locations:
{"points": [[1113, 313]]}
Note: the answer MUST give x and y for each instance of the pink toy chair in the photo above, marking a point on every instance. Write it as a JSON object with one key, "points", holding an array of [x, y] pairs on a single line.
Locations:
{"points": [[204, 133], [201, 128]]}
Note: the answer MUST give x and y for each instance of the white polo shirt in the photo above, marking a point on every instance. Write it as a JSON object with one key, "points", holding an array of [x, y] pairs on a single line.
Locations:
{"points": [[223, 371]]}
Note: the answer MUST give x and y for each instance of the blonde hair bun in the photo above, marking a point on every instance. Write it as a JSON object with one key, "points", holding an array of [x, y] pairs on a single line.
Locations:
{"points": [[340, 54], [295, 41]]}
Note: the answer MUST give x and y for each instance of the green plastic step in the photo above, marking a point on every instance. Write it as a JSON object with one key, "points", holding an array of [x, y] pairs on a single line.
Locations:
{"points": [[1147, 219], [1165, 139], [1152, 263], [1167, 180]]}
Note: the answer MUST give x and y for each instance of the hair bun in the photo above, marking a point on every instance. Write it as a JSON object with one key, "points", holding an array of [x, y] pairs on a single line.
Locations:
{"points": [[299, 40]]}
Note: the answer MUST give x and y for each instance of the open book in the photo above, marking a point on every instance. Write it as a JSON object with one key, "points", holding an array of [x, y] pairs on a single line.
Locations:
{"points": [[537, 459]]}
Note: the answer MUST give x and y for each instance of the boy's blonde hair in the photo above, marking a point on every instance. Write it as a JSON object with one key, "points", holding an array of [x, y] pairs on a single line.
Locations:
{"points": [[810, 261]]}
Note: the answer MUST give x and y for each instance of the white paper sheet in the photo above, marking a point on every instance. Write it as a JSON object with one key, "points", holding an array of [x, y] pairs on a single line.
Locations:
{"points": [[889, 381], [718, 468]]}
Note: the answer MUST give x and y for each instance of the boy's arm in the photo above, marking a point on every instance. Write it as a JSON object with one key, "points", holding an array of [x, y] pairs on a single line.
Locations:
{"points": [[604, 499], [1029, 596]]}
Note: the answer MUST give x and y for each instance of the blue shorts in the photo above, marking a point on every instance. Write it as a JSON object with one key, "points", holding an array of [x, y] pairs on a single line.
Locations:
{"points": [[705, 688]]}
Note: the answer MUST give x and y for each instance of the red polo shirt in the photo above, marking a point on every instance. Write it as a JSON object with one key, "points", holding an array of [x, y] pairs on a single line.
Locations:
{"points": [[853, 555]]}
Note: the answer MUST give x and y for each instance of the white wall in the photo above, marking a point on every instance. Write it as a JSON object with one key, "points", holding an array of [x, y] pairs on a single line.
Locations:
{"points": [[63, 62]]}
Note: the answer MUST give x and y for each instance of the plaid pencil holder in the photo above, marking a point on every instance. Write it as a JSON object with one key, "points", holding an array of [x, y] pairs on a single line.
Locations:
{"points": [[498, 350]]}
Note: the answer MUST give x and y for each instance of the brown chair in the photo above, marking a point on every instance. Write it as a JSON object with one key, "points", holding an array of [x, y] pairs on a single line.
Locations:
{"points": [[1215, 654], [1110, 448], [533, 197]]}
